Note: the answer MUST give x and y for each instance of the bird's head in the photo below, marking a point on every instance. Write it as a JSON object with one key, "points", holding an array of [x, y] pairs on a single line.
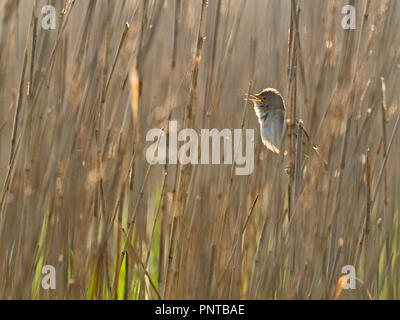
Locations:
{"points": [[269, 98]]}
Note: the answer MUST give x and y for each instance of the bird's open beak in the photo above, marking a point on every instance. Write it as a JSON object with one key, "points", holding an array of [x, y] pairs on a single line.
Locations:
{"points": [[253, 98], [257, 100]]}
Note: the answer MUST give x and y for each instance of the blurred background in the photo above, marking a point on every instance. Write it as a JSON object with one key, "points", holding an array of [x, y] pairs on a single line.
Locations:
{"points": [[77, 193]]}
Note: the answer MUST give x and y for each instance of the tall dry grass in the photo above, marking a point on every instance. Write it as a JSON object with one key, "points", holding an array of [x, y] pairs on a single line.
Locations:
{"points": [[76, 191]]}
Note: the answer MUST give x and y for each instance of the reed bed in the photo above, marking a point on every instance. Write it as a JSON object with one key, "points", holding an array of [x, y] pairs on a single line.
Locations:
{"points": [[77, 193]]}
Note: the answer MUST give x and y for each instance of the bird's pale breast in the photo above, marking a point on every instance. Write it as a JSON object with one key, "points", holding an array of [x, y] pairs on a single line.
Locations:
{"points": [[271, 126]]}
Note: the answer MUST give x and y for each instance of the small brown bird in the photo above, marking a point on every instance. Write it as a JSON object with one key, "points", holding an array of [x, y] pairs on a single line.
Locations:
{"points": [[270, 110]]}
